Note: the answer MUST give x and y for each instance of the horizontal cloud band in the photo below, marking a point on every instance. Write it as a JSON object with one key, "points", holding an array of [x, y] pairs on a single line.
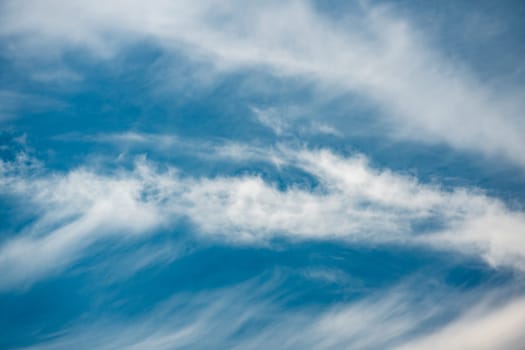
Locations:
{"points": [[353, 203]]}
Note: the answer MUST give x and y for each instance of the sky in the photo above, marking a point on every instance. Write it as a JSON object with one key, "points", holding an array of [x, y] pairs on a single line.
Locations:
{"points": [[262, 175]]}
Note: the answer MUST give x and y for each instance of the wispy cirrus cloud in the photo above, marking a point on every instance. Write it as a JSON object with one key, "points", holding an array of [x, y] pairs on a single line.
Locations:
{"points": [[252, 316], [14, 103], [373, 53], [480, 328], [353, 203], [115, 234]]}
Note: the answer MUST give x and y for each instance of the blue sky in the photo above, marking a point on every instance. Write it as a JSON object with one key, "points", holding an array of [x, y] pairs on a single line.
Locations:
{"points": [[283, 175]]}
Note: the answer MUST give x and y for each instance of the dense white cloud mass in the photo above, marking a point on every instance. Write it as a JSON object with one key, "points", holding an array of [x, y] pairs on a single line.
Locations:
{"points": [[353, 203], [372, 53]]}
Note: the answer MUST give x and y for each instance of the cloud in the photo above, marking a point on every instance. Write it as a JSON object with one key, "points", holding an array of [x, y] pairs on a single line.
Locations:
{"points": [[12, 103], [481, 328], [372, 53], [73, 212], [281, 120], [277, 123], [247, 316], [252, 315], [352, 203]]}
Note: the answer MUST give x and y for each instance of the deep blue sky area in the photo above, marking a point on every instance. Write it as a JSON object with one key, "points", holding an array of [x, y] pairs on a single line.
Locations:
{"points": [[271, 175]]}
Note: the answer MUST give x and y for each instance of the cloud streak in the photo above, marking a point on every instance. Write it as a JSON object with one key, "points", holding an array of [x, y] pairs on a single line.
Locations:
{"points": [[122, 219], [372, 53], [353, 203], [251, 316]]}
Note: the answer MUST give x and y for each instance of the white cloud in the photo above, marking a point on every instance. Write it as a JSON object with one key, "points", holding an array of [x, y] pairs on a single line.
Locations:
{"points": [[73, 212], [353, 203], [480, 329], [250, 316], [286, 121], [272, 120], [12, 103], [225, 319], [374, 54]]}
